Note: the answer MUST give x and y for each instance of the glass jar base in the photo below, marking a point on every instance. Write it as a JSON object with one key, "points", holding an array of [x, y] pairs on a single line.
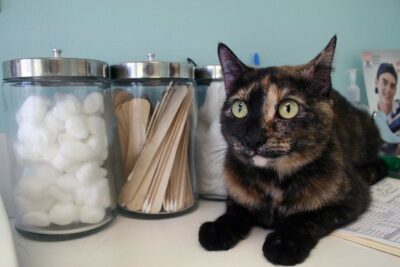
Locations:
{"points": [[214, 197], [52, 235], [155, 216]]}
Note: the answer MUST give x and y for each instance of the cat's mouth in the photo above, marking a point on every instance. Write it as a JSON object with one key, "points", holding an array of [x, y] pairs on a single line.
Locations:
{"points": [[261, 161], [265, 160], [265, 155]]}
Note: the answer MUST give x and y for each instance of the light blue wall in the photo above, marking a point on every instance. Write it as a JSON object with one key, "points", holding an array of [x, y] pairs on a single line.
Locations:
{"points": [[282, 31]]}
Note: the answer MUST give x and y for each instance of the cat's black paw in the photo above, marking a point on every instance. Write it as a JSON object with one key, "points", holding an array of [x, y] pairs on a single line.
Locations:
{"points": [[287, 247], [215, 236]]}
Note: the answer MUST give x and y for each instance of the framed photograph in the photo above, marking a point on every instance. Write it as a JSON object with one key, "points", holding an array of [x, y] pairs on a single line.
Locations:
{"points": [[381, 69]]}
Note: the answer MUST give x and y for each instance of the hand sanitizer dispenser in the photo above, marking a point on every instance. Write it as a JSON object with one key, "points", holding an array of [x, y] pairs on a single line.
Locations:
{"points": [[353, 91]]}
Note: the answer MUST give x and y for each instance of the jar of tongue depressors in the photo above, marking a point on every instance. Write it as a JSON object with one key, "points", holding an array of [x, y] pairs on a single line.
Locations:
{"points": [[156, 118], [60, 112], [210, 144]]}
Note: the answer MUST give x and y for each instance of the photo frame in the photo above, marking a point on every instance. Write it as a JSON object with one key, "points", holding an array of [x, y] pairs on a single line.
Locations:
{"points": [[381, 69]]}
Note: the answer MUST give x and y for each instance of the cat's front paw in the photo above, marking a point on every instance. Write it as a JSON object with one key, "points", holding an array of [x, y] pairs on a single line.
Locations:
{"points": [[214, 236], [287, 247]]}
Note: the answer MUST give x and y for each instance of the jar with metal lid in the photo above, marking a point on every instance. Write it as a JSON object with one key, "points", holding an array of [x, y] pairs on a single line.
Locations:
{"points": [[60, 112], [210, 144], [156, 120]]}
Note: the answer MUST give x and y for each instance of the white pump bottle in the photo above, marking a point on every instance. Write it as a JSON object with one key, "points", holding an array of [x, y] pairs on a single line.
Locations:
{"points": [[353, 91]]}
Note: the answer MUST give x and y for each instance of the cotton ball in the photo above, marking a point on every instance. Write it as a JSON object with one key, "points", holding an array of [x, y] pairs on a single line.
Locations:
{"points": [[63, 213], [67, 106], [98, 140], [61, 163], [88, 173], [106, 193], [73, 168], [24, 204], [91, 214], [36, 218], [44, 136], [33, 109], [76, 152], [97, 126], [97, 143], [77, 127], [27, 152], [36, 134], [51, 121], [59, 195], [103, 155], [213, 102], [50, 152], [99, 147], [97, 194], [93, 103], [80, 195], [67, 182], [25, 130], [67, 138], [40, 170], [210, 169], [33, 188]]}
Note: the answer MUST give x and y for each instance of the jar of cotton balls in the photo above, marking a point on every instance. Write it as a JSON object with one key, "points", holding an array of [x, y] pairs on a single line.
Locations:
{"points": [[60, 112], [210, 144], [154, 103]]}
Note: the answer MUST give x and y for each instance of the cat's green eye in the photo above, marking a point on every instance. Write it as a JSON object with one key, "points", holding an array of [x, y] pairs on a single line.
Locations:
{"points": [[288, 109], [239, 109]]}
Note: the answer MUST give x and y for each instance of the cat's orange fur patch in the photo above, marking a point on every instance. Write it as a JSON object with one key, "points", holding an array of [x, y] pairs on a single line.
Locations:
{"points": [[249, 196], [273, 95], [244, 93]]}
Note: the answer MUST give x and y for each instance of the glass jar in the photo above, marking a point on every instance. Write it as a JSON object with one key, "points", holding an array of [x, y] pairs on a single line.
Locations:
{"points": [[210, 144], [60, 112], [156, 120], [5, 178]]}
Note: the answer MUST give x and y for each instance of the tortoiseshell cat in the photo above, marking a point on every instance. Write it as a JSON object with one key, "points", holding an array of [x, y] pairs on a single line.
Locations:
{"points": [[300, 158]]}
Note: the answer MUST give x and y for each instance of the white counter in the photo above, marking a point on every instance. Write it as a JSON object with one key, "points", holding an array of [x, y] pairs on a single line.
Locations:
{"points": [[173, 242]]}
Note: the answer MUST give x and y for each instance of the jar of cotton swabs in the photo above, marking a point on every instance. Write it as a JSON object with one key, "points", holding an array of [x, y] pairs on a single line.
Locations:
{"points": [[60, 113]]}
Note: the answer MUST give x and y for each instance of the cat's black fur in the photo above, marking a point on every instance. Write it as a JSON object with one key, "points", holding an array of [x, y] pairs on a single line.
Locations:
{"points": [[303, 177]]}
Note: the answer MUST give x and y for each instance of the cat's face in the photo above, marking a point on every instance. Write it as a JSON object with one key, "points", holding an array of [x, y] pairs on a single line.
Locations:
{"points": [[277, 117]]}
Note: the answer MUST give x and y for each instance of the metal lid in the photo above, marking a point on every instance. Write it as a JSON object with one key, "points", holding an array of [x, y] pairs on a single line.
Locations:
{"points": [[210, 72], [151, 69], [55, 66]]}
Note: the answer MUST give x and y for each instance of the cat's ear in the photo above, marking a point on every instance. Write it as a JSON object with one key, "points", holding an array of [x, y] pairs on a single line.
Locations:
{"points": [[320, 68], [232, 67]]}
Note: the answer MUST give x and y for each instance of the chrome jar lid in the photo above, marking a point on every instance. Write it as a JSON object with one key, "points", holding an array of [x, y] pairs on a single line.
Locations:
{"points": [[151, 69], [210, 72], [55, 66]]}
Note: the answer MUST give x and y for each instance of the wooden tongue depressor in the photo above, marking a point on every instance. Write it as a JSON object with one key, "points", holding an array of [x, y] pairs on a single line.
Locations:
{"points": [[139, 112], [120, 97], [184, 178], [135, 178], [123, 128], [170, 157], [169, 203], [158, 184]]}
